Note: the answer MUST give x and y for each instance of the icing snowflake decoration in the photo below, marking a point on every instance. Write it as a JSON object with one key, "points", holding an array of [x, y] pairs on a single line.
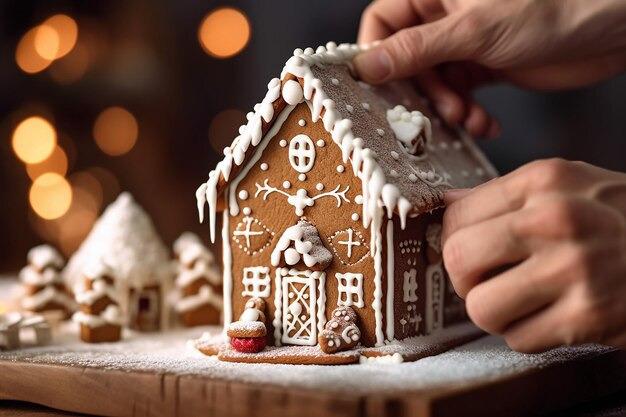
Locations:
{"points": [[301, 200], [412, 129]]}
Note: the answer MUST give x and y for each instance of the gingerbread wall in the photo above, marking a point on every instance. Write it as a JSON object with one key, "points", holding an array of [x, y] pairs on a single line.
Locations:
{"points": [[268, 218]]}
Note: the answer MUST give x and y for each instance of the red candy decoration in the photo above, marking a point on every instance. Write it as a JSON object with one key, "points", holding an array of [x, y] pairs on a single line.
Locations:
{"points": [[248, 344]]}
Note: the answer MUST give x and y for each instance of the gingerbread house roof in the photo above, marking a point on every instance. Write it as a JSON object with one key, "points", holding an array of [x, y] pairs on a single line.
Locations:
{"points": [[370, 124]]}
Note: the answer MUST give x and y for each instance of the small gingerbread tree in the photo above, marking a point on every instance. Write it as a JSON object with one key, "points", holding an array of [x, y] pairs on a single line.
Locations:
{"points": [[100, 317], [42, 281], [199, 284]]}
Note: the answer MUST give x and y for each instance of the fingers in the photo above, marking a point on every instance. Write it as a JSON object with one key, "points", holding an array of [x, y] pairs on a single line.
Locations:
{"points": [[412, 50], [473, 252], [383, 18], [447, 102], [516, 293], [542, 331]]}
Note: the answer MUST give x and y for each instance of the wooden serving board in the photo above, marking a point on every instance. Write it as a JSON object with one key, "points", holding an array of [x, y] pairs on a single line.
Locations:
{"points": [[533, 385]]}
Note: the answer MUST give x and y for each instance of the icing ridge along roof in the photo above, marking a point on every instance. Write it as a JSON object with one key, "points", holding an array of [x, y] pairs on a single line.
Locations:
{"points": [[393, 180]]}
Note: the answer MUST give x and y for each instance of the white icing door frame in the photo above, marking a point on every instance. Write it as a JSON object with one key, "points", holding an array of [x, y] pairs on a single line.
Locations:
{"points": [[300, 306]]}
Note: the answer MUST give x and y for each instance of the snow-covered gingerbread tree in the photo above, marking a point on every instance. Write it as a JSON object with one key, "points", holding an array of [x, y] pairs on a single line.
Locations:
{"points": [[198, 283], [99, 317], [42, 281]]}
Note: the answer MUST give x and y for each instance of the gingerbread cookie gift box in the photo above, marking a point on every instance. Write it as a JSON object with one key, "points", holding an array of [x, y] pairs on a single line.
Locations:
{"points": [[332, 196]]}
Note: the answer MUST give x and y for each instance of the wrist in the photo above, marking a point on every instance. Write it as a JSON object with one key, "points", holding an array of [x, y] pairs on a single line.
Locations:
{"points": [[597, 26]]}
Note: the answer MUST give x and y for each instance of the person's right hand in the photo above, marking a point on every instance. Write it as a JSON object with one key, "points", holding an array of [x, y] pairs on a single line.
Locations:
{"points": [[537, 44]]}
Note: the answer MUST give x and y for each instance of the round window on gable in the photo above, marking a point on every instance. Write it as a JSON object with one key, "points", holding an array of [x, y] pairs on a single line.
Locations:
{"points": [[301, 153]]}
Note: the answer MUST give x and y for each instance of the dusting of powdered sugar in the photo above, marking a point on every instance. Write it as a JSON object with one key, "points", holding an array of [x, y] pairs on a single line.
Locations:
{"points": [[483, 360]]}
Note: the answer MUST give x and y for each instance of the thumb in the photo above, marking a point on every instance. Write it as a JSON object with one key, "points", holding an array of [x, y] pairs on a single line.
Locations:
{"points": [[414, 49]]}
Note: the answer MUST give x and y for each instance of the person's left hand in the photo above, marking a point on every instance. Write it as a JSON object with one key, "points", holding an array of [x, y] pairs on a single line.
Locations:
{"points": [[540, 254]]}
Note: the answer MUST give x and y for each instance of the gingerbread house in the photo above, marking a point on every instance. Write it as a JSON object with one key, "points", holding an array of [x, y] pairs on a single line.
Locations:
{"points": [[125, 239], [332, 196]]}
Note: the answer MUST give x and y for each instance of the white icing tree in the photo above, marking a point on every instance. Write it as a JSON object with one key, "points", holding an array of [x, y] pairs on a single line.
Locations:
{"points": [[198, 283], [44, 289]]}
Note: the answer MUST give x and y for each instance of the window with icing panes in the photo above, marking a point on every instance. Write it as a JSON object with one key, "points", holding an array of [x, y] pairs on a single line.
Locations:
{"points": [[350, 289], [256, 282]]}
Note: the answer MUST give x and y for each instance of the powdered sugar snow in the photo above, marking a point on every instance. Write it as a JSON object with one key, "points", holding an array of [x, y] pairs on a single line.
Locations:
{"points": [[485, 359]]}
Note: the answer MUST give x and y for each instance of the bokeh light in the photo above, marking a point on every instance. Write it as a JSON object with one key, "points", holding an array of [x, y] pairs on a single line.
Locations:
{"points": [[50, 196], [34, 139], [46, 42], [224, 128], [224, 32], [66, 31], [115, 131], [56, 163], [27, 57]]}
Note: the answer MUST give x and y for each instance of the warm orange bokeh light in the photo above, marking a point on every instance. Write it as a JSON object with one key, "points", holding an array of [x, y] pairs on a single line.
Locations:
{"points": [[34, 139], [115, 131], [50, 196], [41, 45], [46, 42], [224, 32], [56, 162], [27, 57], [66, 31]]}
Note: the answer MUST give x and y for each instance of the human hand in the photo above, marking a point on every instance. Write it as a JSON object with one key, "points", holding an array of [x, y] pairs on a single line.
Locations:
{"points": [[540, 254], [453, 46]]}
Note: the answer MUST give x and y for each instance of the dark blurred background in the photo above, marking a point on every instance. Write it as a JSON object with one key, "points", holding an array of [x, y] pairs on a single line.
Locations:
{"points": [[100, 96]]}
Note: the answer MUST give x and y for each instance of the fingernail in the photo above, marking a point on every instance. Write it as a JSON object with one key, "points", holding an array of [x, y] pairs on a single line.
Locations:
{"points": [[451, 196], [374, 65]]}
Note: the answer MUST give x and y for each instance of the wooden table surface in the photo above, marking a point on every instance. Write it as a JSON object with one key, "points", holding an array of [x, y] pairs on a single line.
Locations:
{"points": [[155, 375]]}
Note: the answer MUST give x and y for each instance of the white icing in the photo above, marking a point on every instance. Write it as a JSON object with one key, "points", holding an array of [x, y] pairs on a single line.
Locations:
{"points": [[282, 143], [366, 106], [390, 302], [355, 216], [358, 199], [393, 359], [250, 315], [256, 282], [286, 185], [247, 211], [227, 256], [243, 195], [409, 286], [47, 295], [300, 200], [395, 155], [319, 186], [111, 315], [434, 297], [248, 232], [350, 242], [408, 126], [184, 240], [350, 290], [44, 256], [340, 168], [377, 305], [321, 143], [205, 296], [302, 177], [349, 108], [380, 132], [307, 246], [302, 122], [334, 81], [264, 166], [100, 289], [301, 153], [31, 276], [292, 92]]}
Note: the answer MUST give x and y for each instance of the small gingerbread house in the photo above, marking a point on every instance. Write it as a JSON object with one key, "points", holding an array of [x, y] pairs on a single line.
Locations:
{"points": [[332, 195], [125, 239]]}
